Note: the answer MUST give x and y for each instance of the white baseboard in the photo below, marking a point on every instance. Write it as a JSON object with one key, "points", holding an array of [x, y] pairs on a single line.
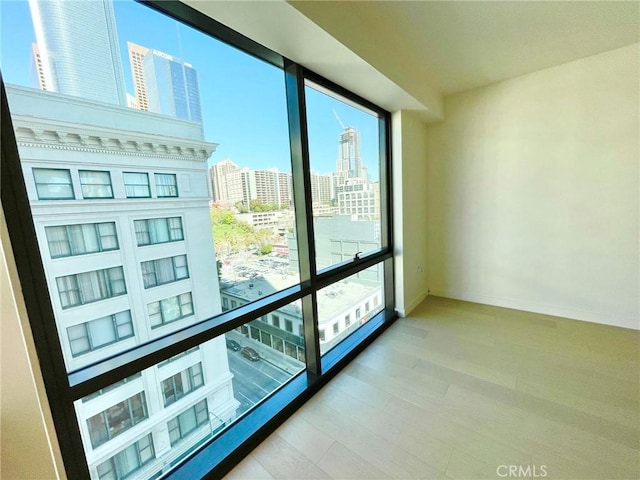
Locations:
{"points": [[403, 312], [604, 318]]}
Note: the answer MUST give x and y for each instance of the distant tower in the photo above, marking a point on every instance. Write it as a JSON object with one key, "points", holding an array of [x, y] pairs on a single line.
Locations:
{"points": [[219, 182], [39, 69], [165, 84], [349, 161], [77, 45], [136, 58]]}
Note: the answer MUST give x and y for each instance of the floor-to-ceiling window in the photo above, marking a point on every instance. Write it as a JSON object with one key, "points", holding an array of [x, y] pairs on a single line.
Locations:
{"points": [[201, 228]]}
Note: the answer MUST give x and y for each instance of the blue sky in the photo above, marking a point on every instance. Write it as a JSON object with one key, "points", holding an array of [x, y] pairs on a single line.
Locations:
{"points": [[243, 99]]}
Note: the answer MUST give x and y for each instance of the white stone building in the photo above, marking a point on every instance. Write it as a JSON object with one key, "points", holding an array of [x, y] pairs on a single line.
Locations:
{"points": [[119, 199]]}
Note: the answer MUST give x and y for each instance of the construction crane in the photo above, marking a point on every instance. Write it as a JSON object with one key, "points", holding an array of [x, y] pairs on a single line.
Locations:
{"points": [[338, 118]]}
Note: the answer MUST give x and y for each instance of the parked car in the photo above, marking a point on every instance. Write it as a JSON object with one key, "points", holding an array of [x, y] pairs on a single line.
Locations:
{"points": [[250, 354], [233, 345]]}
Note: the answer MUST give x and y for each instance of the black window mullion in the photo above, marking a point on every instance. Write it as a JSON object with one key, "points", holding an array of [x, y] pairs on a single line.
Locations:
{"points": [[113, 369], [386, 211], [301, 178]]}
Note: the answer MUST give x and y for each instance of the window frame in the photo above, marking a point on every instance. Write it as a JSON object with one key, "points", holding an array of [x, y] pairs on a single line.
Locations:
{"points": [[106, 419], [112, 462], [156, 267], [157, 175], [148, 184], [37, 184], [147, 222], [94, 197], [68, 240], [161, 312], [104, 276], [182, 435], [191, 375], [87, 333], [215, 457]]}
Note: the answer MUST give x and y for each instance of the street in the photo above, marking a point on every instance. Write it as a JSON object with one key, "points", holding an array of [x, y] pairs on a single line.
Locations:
{"points": [[252, 381]]}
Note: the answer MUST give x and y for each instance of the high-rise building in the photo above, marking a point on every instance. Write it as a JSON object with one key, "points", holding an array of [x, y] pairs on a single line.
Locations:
{"points": [[359, 198], [349, 160], [122, 271], [218, 177], [77, 47], [321, 188], [38, 69], [285, 189], [232, 184], [136, 57], [164, 84]]}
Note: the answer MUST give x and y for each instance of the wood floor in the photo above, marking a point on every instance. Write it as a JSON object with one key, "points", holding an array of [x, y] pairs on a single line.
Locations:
{"points": [[466, 391]]}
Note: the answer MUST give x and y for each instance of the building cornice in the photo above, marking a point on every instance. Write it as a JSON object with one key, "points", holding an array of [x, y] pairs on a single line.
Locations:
{"points": [[44, 133]]}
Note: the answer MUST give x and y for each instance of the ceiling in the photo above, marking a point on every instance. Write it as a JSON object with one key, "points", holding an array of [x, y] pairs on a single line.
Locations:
{"points": [[461, 45], [409, 54]]}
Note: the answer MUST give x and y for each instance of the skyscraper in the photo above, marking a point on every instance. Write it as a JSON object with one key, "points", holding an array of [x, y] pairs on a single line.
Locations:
{"points": [[40, 77], [218, 176], [164, 84], [349, 160], [78, 49], [136, 57]]}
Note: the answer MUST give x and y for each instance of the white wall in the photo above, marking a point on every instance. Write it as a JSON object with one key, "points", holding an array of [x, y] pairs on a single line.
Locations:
{"points": [[25, 417], [533, 198], [409, 209]]}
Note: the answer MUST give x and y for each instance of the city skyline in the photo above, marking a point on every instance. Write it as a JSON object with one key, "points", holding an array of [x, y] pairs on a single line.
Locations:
{"points": [[247, 96]]}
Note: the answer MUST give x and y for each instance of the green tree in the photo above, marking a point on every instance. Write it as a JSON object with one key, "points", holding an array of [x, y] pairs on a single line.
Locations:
{"points": [[266, 249]]}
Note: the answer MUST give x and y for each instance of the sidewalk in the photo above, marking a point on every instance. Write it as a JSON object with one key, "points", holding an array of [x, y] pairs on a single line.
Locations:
{"points": [[267, 354]]}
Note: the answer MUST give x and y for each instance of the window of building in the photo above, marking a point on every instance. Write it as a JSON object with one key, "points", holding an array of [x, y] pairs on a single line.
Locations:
{"points": [[250, 242], [100, 332], [70, 240], [158, 230], [90, 287], [117, 419], [182, 383], [136, 185], [164, 270], [128, 460], [170, 309], [188, 421], [95, 184], [166, 185], [53, 183]]}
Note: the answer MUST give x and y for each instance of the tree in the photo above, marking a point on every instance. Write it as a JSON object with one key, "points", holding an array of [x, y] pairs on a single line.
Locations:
{"points": [[231, 235], [266, 249]]}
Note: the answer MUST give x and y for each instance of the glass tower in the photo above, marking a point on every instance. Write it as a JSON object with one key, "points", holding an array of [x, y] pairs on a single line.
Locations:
{"points": [[171, 86], [78, 46]]}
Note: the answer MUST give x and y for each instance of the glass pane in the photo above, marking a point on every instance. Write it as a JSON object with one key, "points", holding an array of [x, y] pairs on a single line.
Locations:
{"points": [[201, 201], [346, 305], [189, 398], [345, 177]]}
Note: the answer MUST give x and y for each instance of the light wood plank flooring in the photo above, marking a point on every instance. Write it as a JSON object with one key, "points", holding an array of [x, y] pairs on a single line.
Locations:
{"points": [[458, 389]]}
